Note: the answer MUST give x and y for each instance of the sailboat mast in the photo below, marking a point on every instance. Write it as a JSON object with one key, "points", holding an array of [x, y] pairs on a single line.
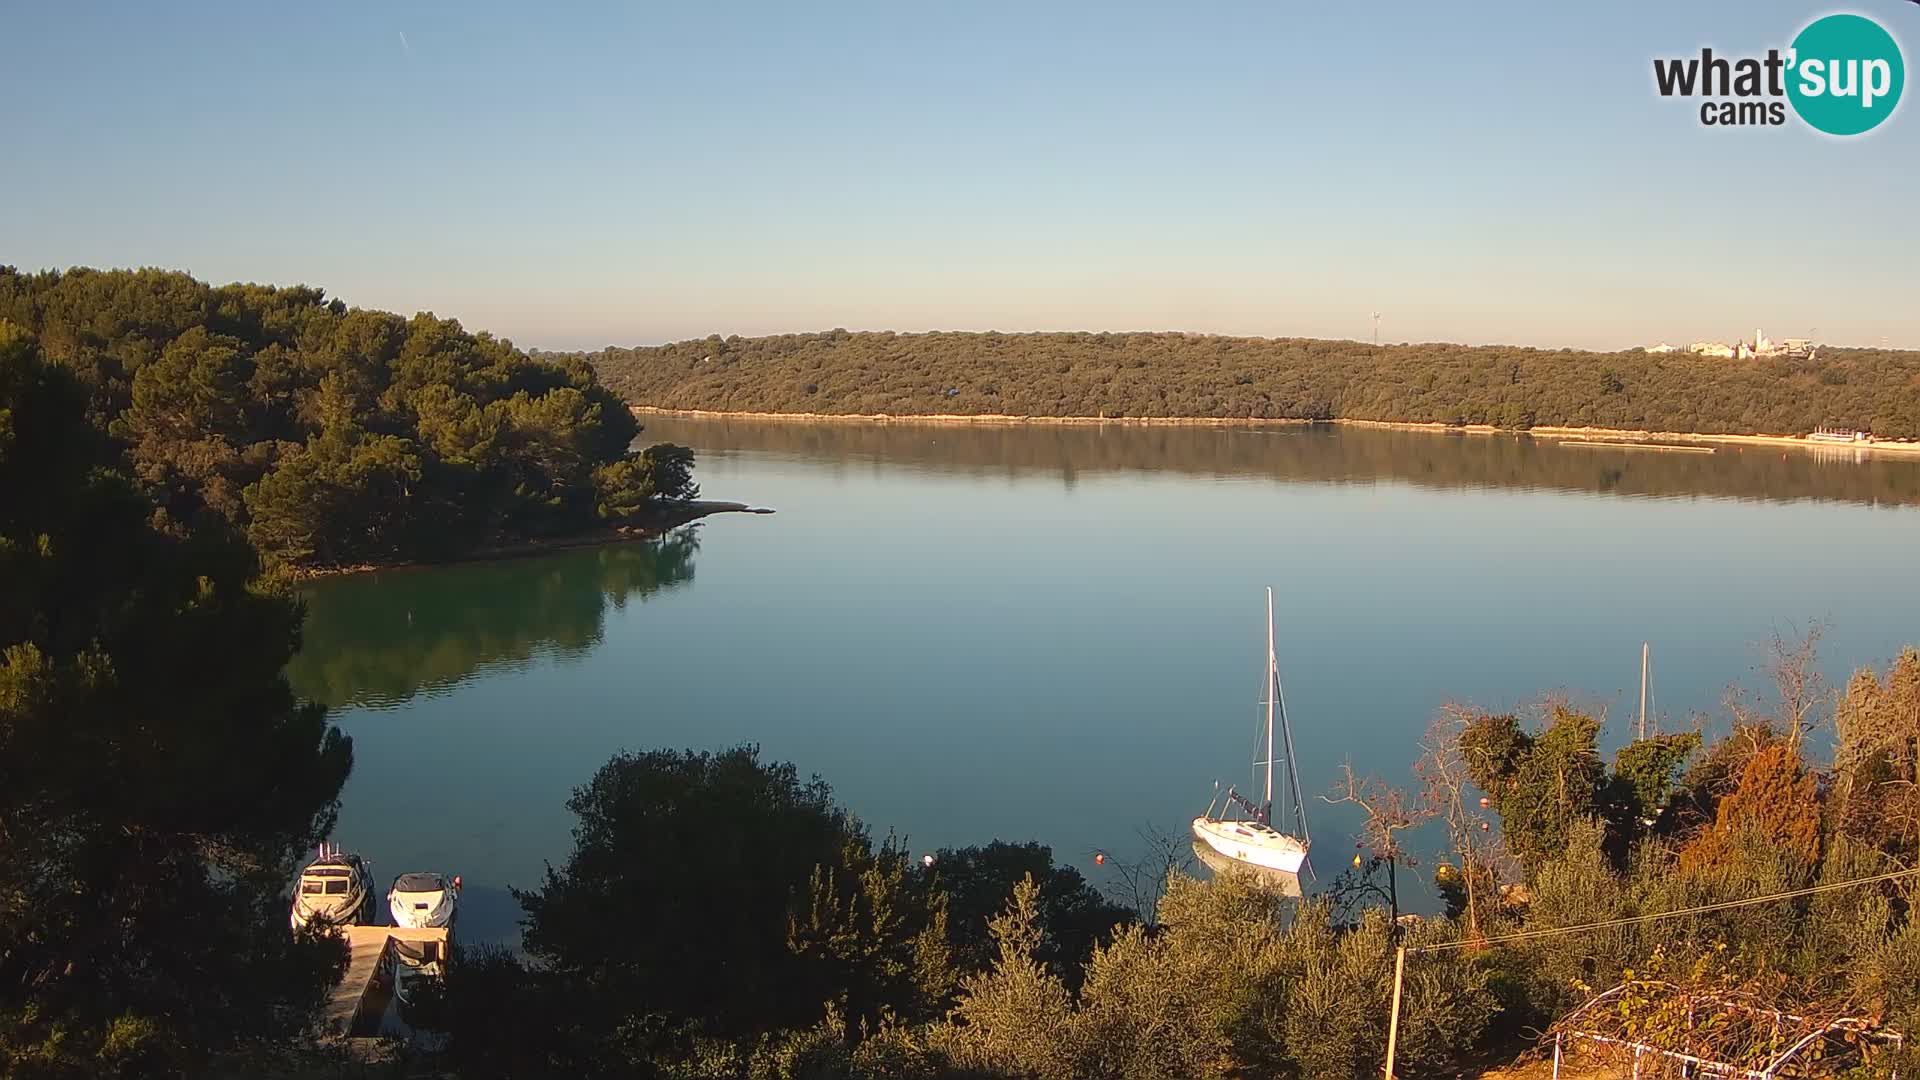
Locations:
{"points": [[1277, 699], [1272, 679], [1644, 649]]}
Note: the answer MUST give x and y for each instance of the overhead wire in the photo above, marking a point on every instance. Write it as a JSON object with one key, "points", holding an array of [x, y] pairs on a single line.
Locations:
{"points": [[1702, 909]]}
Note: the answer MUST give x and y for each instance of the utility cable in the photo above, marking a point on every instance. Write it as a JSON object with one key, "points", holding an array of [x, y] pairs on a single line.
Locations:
{"points": [[1703, 909]]}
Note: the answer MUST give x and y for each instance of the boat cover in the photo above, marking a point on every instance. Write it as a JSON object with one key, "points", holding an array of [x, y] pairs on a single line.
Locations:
{"points": [[411, 883]]}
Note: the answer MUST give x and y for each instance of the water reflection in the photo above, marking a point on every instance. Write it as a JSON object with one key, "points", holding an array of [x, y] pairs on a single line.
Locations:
{"points": [[1319, 453], [376, 640]]}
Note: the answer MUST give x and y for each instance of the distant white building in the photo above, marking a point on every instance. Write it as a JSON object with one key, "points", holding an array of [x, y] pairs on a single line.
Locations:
{"points": [[1760, 346], [1840, 435], [1663, 347]]}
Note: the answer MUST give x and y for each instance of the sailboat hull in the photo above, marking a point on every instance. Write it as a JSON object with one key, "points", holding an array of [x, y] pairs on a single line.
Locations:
{"points": [[1251, 843], [1287, 884]]}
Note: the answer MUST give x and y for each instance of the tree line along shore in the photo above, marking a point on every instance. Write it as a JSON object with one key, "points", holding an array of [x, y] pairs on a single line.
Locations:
{"points": [[1644, 438], [1170, 376]]}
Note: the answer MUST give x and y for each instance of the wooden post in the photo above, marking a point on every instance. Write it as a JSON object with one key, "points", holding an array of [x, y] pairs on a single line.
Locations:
{"points": [[1393, 898], [1393, 1021]]}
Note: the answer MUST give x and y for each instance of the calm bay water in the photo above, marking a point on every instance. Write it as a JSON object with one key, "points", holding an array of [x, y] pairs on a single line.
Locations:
{"points": [[1055, 633]]}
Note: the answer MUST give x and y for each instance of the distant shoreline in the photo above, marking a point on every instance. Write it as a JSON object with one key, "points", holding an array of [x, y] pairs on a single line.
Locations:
{"points": [[669, 520], [1581, 435]]}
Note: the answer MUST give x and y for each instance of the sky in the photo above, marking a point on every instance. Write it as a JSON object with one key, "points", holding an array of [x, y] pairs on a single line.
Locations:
{"points": [[572, 176]]}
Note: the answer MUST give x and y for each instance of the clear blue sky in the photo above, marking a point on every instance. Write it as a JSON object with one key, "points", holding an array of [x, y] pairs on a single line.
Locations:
{"points": [[634, 173]]}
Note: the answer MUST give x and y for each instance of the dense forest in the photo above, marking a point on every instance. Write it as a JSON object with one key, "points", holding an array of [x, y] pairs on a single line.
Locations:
{"points": [[1190, 375], [336, 435], [158, 777]]}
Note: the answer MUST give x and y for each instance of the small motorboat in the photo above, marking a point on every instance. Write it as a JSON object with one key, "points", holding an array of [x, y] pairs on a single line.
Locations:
{"points": [[424, 900], [335, 889]]}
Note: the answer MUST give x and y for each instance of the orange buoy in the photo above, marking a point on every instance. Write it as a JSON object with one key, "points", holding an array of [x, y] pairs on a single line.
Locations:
{"points": [[1100, 858], [1485, 802]]}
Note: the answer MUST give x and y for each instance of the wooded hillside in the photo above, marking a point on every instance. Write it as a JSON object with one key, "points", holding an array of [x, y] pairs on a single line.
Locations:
{"points": [[1180, 375], [335, 434]]}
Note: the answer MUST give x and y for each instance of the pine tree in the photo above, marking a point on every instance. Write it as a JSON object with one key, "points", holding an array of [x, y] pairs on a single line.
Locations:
{"points": [[157, 777]]}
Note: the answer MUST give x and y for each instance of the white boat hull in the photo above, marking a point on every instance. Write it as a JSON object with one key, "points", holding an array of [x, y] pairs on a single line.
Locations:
{"points": [[423, 901], [1251, 843], [421, 911], [1288, 884]]}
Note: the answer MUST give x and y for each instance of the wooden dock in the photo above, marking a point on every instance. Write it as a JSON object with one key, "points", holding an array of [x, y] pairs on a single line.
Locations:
{"points": [[359, 1003]]}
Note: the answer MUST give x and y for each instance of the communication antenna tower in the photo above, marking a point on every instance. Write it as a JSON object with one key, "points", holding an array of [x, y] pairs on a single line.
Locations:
{"points": [[1376, 328]]}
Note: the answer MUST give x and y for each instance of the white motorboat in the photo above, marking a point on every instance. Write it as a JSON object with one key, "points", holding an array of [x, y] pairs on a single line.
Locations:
{"points": [[424, 900], [336, 888], [1241, 830]]}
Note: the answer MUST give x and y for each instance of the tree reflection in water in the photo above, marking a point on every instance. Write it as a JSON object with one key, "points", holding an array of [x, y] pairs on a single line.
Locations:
{"points": [[1320, 454], [376, 640]]}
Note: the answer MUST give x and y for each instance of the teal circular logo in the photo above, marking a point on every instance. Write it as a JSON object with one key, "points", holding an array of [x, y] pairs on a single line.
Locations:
{"points": [[1846, 74]]}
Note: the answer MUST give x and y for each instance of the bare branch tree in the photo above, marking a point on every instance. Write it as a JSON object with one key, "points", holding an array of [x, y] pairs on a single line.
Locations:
{"points": [[1802, 699], [1389, 813], [1793, 665], [1446, 793], [1141, 883]]}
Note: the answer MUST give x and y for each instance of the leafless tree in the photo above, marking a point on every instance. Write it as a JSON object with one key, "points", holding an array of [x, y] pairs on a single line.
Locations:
{"points": [[1141, 883], [1803, 700], [1446, 793], [1389, 813]]}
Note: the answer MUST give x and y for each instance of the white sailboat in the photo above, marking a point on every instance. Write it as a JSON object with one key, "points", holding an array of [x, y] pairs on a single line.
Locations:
{"points": [[1252, 840]]}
